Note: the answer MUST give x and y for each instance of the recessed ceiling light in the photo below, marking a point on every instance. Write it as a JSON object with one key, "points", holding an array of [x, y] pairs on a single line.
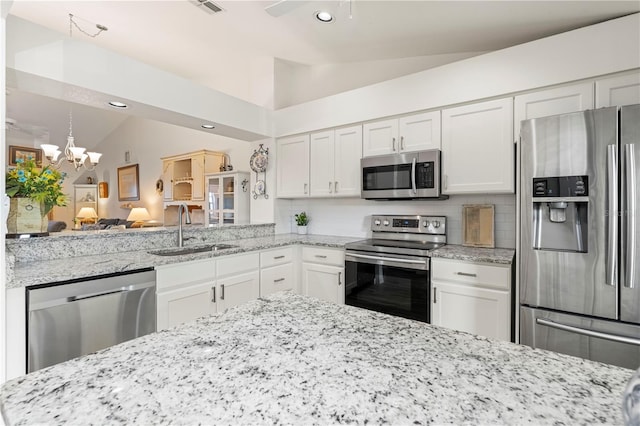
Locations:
{"points": [[117, 104], [323, 16], [208, 126]]}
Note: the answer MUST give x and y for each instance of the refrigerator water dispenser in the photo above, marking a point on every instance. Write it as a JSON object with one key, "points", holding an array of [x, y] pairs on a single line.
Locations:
{"points": [[560, 214]]}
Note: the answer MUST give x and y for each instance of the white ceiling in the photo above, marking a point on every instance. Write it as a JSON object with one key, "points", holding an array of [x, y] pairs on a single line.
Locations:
{"points": [[179, 37]]}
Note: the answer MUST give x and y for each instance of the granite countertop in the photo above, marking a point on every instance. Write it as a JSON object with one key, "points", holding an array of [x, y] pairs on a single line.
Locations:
{"points": [[25, 274], [290, 359]]}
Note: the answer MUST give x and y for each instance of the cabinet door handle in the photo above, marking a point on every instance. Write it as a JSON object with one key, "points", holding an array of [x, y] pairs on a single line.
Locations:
{"points": [[305, 188], [321, 256], [330, 187], [278, 257], [222, 292], [278, 280], [466, 274], [213, 299], [401, 143], [339, 278], [435, 299], [393, 143], [335, 187]]}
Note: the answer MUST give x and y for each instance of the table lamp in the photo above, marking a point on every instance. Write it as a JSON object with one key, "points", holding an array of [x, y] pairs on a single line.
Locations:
{"points": [[139, 215], [87, 215]]}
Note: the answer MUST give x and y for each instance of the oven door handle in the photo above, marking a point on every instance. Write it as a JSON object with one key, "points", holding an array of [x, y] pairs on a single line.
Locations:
{"points": [[388, 259]]}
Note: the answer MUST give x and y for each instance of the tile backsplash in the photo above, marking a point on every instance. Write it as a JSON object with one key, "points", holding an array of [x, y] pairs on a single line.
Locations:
{"points": [[351, 216]]}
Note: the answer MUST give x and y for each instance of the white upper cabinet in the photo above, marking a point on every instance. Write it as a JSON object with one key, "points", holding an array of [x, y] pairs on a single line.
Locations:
{"points": [[321, 164], [416, 132], [618, 91], [292, 167], [478, 149], [335, 162], [420, 132], [560, 100]]}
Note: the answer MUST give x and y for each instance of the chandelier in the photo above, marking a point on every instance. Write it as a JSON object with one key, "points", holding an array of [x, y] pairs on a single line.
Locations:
{"points": [[72, 153]]}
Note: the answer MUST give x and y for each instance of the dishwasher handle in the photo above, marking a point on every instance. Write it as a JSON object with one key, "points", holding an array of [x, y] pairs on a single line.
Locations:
{"points": [[132, 287]]}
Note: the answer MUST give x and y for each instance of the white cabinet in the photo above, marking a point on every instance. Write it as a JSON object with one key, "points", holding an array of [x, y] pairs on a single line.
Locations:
{"points": [[227, 198], [277, 271], [237, 289], [184, 292], [559, 100], [323, 274], [238, 280], [478, 149], [334, 162], [292, 170], [415, 132], [190, 290], [472, 297], [619, 90]]}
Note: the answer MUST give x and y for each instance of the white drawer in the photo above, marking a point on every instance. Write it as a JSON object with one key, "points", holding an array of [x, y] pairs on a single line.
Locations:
{"points": [[185, 272], [477, 274], [276, 257], [230, 265], [323, 255], [277, 278]]}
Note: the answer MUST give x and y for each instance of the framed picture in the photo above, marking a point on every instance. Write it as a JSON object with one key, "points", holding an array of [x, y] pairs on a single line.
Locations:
{"points": [[128, 186], [23, 152]]}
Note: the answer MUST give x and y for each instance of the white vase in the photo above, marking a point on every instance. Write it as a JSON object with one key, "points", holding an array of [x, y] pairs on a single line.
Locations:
{"points": [[302, 230]]}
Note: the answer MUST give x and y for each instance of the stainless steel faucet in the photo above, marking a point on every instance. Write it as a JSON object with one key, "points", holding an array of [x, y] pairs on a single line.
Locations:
{"points": [[187, 220]]}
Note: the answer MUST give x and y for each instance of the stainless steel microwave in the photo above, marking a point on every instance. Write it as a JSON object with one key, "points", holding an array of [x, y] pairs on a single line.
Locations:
{"points": [[401, 176]]}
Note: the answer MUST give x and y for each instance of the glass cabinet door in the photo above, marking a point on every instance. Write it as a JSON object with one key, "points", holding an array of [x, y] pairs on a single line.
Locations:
{"points": [[228, 186], [213, 200]]}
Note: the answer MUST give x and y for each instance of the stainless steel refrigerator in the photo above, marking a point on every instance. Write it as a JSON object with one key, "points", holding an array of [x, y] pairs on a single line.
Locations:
{"points": [[580, 234]]}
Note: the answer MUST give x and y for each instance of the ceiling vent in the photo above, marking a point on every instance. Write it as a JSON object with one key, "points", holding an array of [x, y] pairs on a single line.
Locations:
{"points": [[208, 6]]}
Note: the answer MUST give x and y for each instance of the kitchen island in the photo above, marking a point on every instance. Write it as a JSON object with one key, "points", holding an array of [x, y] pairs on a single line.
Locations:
{"points": [[295, 360]]}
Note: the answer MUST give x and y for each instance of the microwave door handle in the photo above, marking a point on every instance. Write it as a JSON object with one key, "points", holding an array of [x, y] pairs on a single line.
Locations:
{"points": [[611, 254], [413, 176], [630, 204]]}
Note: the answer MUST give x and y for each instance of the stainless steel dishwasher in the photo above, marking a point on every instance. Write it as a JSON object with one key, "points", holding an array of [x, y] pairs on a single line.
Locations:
{"points": [[74, 318]]}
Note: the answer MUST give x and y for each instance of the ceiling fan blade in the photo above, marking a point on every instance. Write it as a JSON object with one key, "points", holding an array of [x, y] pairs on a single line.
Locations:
{"points": [[283, 7]]}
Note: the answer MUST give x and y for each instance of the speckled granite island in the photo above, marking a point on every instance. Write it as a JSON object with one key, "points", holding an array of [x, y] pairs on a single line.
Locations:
{"points": [[290, 359]]}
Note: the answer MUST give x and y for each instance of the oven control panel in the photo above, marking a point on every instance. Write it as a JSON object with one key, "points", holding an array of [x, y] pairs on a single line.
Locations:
{"points": [[410, 224]]}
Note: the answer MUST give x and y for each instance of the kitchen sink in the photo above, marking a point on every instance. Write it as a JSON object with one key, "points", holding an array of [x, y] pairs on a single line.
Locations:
{"points": [[178, 251]]}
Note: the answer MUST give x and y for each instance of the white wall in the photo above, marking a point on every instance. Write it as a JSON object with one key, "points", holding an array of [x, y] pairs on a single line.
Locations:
{"points": [[148, 141], [297, 83], [351, 216], [262, 209], [601, 49]]}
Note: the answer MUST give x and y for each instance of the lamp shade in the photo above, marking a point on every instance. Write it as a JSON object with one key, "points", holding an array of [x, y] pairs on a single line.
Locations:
{"points": [[87, 213], [139, 214]]}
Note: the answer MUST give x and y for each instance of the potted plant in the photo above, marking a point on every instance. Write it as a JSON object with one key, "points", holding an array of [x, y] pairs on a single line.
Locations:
{"points": [[302, 220], [33, 192]]}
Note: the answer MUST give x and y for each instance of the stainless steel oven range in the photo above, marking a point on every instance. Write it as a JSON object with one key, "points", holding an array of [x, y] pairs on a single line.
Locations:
{"points": [[390, 272]]}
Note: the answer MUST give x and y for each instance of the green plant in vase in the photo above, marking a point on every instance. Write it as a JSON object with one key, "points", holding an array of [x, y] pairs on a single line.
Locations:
{"points": [[302, 220]]}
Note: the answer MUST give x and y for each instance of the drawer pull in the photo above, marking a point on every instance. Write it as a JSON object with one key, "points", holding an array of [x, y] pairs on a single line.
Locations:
{"points": [[339, 278], [278, 280], [321, 256], [278, 257], [222, 291], [466, 274], [213, 298], [435, 299]]}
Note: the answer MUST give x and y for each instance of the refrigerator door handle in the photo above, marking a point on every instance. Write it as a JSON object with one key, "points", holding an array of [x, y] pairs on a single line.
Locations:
{"points": [[587, 332], [611, 257], [630, 204]]}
